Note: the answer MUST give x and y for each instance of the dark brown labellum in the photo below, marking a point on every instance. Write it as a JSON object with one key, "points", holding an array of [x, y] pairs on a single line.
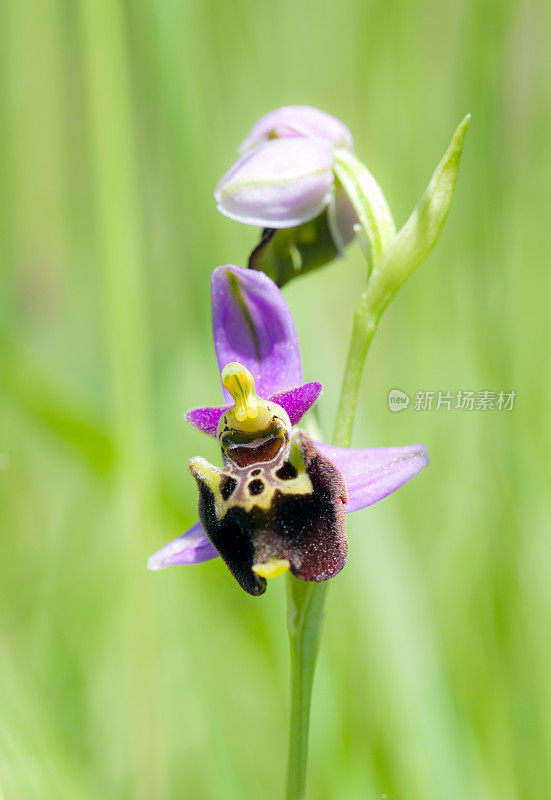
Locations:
{"points": [[290, 507]]}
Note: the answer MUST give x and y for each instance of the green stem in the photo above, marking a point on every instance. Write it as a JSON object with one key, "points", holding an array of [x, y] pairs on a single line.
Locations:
{"points": [[305, 621], [306, 601], [363, 329]]}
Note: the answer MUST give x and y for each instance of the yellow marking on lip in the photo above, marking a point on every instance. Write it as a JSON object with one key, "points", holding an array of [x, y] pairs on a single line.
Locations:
{"points": [[272, 567]]}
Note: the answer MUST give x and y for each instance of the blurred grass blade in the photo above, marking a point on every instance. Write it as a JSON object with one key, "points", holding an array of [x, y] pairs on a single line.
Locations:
{"points": [[56, 406], [123, 281]]}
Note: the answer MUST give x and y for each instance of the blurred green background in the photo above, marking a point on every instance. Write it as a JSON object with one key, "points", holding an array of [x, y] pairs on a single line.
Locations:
{"points": [[117, 119]]}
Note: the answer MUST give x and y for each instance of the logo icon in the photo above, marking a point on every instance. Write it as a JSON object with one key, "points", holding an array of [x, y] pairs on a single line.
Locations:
{"points": [[397, 400]]}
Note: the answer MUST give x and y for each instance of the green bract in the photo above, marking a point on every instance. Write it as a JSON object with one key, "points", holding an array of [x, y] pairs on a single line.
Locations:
{"points": [[390, 259], [285, 253], [368, 201], [417, 237]]}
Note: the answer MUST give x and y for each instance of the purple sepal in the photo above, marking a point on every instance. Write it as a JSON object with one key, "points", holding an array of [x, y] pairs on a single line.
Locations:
{"points": [[303, 121], [206, 419], [192, 547], [252, 324], [370, 475], [296, 403], [281, 183]]}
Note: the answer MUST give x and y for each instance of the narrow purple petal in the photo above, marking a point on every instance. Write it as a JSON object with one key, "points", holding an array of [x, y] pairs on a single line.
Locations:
{"points": [[371, 475], [298, 121], [252, 324], [279, 184], [297, 402], [192, 547], [205, 419]]}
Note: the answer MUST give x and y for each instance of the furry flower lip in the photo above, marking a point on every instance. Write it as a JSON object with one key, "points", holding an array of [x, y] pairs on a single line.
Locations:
{"points": [[279, 500]]}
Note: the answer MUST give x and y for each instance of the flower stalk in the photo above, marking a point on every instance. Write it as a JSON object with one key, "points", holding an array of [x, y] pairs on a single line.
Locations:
{"points": [[306, 601], [280, 500], [306, 612], [391, 258], [363, 330]]}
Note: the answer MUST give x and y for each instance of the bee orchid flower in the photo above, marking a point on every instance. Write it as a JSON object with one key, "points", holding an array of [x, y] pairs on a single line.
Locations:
{"points": [[279, 501]]}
